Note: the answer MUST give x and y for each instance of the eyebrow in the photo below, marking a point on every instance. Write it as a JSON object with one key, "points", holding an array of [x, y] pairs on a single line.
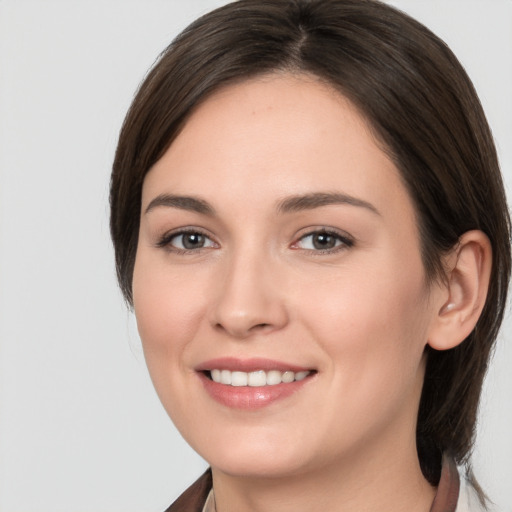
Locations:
{"points": [[189, 203], [318, 199], [291, 204]]}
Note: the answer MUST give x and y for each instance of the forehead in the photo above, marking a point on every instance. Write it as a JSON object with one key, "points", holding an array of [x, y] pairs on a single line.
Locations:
{"points": [[276, 135]]}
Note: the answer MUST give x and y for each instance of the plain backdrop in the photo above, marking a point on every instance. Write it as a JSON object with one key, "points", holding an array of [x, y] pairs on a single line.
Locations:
{"points": [[81, 428]]}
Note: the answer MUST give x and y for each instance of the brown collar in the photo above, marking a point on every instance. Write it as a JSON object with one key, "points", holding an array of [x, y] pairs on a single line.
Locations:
{"points": [[194, 498], [447, 494]]}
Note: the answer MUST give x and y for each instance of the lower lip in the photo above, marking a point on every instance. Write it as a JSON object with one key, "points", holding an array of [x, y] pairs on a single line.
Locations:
{"points": [[247, 397]]}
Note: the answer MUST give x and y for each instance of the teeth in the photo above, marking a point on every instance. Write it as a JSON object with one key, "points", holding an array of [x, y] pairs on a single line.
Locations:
{"points": [[288, 377], [273, 378], [257, 378], [239, 379], [225, 377]]}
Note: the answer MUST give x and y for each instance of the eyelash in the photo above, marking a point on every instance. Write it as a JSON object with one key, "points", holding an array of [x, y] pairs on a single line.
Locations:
{"points": [[166, 241], [345, 241]]}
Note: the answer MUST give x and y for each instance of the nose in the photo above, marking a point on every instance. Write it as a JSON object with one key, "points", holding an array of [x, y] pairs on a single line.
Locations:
{"points": [[250, 297]]}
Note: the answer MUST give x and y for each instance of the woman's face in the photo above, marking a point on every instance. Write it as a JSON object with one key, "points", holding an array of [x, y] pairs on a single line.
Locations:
{"points": [[279, 251]]}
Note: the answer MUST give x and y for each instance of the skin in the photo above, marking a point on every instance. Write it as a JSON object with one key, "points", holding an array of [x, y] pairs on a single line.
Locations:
{"points": [[359, 314]]}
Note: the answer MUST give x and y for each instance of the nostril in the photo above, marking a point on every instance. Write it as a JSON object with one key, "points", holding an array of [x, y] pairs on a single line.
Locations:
{"points": [[260, 326], [243, 332]]}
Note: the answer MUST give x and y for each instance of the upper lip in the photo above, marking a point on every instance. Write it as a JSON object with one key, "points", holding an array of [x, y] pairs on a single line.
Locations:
{"points": [[248, 365]]}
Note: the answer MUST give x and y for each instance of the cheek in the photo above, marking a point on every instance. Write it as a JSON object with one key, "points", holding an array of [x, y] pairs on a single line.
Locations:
{"points": [[373, 324], [168, 307], [373, 332]]}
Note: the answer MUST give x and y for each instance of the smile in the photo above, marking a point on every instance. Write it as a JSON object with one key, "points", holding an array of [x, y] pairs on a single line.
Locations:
{"points": [[256, 378], [252, 384]]}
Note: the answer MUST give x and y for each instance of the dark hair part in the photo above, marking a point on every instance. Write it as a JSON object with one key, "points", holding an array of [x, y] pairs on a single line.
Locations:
{"points": [[424, 110]]}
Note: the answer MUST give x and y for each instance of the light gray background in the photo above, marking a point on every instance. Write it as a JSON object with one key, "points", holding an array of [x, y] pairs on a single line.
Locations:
{"points": [[81, 428]]}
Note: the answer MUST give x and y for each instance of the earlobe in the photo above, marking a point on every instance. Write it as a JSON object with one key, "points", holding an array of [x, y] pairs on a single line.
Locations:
{"points": [[464, 294]]}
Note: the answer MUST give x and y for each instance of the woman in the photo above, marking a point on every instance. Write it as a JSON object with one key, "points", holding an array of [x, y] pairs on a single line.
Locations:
{"points": [[310, 223]]}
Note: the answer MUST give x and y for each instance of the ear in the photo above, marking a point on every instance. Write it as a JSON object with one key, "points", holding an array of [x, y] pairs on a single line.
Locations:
{"points": [[461, 299]]}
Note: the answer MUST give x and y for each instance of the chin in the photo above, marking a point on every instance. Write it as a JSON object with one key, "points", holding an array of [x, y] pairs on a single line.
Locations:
{"points": [[255, 455], [260, 466]]}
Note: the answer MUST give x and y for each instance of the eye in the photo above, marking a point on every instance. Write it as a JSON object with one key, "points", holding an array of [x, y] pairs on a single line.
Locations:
{"points": [[185, 241], [323, 241]]}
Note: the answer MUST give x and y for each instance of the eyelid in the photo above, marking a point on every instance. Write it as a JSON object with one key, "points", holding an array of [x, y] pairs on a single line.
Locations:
{"points": [[164, 241], [346, 240]]}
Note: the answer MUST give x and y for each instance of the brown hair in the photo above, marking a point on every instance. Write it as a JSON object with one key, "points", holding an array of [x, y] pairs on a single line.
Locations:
{"points": [[422, 107]]}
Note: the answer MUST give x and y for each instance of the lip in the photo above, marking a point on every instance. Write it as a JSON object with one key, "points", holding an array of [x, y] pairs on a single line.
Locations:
{"points": [[248, 365], [246, 397]]}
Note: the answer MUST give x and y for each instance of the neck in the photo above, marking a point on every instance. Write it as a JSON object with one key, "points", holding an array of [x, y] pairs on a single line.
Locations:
{"points": [[369, 482]]}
